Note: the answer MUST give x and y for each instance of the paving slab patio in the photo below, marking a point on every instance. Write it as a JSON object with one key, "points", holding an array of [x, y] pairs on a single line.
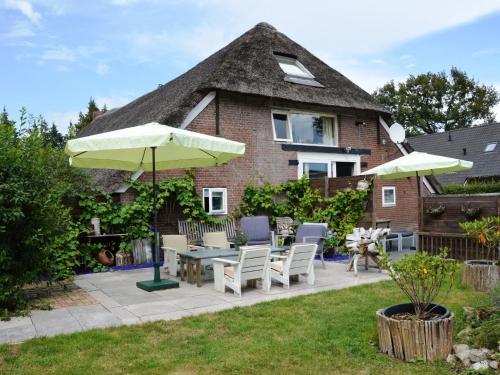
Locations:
{"points": [[118, 301]]}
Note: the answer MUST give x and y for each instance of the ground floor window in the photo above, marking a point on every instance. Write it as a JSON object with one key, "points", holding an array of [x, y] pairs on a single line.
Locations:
{"points": [[314, 165], [215, 201], [388, 196]]}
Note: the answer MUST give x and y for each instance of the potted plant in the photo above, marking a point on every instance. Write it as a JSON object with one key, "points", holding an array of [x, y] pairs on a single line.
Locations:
{"points": [[482, 274], [421, 329], [240, 239]]}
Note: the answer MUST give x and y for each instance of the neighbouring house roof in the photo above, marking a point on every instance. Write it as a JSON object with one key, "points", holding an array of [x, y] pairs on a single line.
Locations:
{"points": [[471, 140], [247, 65]]}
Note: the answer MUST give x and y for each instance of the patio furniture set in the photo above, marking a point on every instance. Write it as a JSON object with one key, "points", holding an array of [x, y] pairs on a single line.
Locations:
{"points": [[264, 257]]}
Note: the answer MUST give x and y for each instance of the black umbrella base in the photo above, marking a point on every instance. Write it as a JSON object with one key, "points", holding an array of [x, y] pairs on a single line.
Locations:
{"points": [[151, 285]]}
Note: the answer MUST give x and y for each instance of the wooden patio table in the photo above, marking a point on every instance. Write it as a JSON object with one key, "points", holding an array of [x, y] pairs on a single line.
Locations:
{"points": [[193, 261]]}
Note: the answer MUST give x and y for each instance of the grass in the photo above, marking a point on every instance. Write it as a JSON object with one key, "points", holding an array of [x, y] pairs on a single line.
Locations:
{"points": [[327, 333]]}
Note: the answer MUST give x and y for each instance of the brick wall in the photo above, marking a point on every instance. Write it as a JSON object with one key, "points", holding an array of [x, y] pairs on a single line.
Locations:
{"points": [[247, 119]]}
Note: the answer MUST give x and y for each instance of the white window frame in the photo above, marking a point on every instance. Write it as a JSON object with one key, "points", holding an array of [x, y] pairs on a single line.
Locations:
{"points": [[291, 61], [491, 144], [388, 204], [317, 157], [224, 201], [334, 131], [288, 127]]}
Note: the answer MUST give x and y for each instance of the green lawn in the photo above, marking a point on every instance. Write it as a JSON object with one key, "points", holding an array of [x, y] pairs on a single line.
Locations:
{"points": [[327, 333]]}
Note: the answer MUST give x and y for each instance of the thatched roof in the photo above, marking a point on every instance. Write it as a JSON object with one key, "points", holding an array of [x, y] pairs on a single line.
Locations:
{"points": [[247, 65]]}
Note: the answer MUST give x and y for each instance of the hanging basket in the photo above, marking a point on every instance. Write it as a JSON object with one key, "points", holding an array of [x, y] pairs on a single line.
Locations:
{"points": [[105, 257]]}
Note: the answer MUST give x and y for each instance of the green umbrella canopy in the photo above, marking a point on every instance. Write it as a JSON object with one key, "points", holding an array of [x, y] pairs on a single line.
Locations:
{"points": [[419, 164], [127, 149]]}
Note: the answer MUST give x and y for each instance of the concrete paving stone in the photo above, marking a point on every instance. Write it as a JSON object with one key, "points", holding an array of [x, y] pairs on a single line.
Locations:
{"points": [[85, 285], [172, 315], [152, 308], [212, 308], [103, 299], [17, 334], [124, 315], [94, 316], [54, 322], [17, 321], [199, 301]]}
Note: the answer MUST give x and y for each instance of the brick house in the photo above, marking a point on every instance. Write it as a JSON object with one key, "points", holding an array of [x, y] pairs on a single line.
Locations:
{"points": [[295, 114]]}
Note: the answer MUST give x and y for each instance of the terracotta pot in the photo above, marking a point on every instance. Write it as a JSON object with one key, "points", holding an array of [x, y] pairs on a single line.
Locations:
{"points": [[105, 257]]}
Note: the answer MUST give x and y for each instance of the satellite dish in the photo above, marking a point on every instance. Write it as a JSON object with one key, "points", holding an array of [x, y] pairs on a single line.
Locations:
{"points": [[397, 133]]}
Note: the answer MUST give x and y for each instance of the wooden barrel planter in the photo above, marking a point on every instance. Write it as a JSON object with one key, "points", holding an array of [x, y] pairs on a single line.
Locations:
{"points": [[413, 339], [481, 275]]}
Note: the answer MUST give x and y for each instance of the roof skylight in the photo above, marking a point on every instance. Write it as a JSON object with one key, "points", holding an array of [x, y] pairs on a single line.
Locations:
{"points": [[296, 72], [490, 147]]}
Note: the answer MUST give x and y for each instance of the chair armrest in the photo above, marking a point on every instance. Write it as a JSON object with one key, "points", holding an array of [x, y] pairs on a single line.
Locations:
{"points": [[227, 261], [278, 256], [195, 247], [315, 237], [169, 248]]}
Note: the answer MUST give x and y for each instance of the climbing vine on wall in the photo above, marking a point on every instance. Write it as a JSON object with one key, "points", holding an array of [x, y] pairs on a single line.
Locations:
{"points": [[134, 218], [299, 201]]}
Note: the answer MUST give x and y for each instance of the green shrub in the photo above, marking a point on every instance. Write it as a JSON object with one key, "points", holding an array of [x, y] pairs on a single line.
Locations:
{"points": [[38, 240], [296, 199], [421, 277], [486, 231], [472, 188]]}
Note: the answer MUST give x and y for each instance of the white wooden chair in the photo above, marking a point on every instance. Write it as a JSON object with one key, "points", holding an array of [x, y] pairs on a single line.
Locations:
{"points": [[173, 244], [252, 264], [298, 261], [216, 240]]}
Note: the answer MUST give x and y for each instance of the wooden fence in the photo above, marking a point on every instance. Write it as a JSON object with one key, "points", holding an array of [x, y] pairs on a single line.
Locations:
{"points": [[460, 247]]}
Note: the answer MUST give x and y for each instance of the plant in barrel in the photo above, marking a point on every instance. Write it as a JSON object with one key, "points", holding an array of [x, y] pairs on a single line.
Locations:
{"points": [[421, 329]]}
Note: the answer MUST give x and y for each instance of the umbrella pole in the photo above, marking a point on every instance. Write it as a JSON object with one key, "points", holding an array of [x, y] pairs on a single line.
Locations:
{"points": [[156, 253], [157, 283]]}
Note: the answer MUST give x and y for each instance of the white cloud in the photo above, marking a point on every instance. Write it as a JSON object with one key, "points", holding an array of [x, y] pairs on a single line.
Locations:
{"points": [[62, 119], [25, 8], [102, 69], [483, 52], [123, 2], [115, 100], [411, 65], [20, 29], [348, 28], [377, 61], [59, 53], [405, 57]]}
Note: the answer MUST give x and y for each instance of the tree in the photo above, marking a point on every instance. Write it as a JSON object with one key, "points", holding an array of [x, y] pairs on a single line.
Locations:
{"points": [[434, 102], [84, 118], [38, 238]]}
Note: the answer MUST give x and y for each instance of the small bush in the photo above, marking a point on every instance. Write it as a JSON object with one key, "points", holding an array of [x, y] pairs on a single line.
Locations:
{"points": [[473, 188]]}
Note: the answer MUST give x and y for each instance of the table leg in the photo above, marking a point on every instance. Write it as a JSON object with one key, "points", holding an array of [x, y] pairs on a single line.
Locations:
{"points": [[198, 273], [190, 271], [181, 264]]}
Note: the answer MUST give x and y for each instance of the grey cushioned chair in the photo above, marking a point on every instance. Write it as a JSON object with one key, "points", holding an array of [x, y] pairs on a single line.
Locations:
{"points": [[257, 230], [313, 233]]}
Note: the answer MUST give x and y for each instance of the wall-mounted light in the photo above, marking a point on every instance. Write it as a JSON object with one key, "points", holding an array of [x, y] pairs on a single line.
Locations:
{"points": [[384, 141], [358, 123], [348, 149]]}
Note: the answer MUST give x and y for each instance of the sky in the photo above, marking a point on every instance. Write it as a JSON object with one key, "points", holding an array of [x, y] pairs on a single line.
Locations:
{"points": [[57, 54]]}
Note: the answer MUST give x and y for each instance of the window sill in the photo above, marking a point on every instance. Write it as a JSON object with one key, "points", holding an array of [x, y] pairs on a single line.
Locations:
{"points": [[388, 205]]}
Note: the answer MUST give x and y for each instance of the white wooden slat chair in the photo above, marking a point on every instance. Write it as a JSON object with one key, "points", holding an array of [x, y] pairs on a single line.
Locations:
{"points": [[252, 264], [298, 261], [173, 244], [216, 240]]}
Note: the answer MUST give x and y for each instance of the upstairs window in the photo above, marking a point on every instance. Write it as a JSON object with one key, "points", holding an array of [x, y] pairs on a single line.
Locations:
{"points": [[304, 128], [295, 72], [490, 147]]}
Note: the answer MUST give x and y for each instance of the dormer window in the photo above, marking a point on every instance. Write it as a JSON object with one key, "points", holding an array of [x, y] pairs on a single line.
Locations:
{"points": [[295, 72], [490, 147]]}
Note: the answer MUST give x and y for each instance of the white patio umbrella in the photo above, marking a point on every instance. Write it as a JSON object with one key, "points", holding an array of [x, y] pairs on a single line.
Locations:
{"points": [[150, 147], [418, 164]]}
